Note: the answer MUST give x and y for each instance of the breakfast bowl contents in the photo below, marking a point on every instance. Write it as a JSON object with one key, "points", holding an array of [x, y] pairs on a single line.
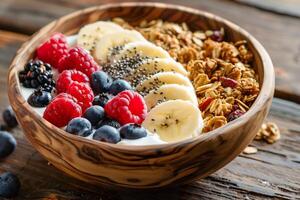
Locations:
{"points": [[121, 100]]}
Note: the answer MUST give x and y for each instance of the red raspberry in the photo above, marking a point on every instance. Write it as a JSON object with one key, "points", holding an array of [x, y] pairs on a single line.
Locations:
{"points": [[61, 66], [83, 93], [127, 107], [79, 59], [61, 110], [65, 96], [69, 76], [53, 49]]}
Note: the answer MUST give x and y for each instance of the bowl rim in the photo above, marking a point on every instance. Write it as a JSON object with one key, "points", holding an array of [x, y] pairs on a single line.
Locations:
{"points": [[266, 90]]}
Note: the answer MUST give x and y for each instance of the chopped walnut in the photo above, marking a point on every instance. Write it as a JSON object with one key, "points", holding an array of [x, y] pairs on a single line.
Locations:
{"points": [[268, 132]]}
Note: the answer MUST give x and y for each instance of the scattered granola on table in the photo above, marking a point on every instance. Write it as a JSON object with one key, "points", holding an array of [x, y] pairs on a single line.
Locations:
{"points": [[250, 150], [222, 72], [268, 132]]}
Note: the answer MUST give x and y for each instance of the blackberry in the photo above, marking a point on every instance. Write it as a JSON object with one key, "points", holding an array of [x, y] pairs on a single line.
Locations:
{"points": [[109, 122], [102, 99], [37, 74]]}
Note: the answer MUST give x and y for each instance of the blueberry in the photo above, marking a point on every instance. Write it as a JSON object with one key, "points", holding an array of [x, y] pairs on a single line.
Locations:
{"points": [[133, 131], [9, 185], [9, 118], [79, 126], [102, 99], [100, 82], [107, 134], [94, 114], [109, 122], [118, 86], [39, 98], [3, 127], [7, 144]]}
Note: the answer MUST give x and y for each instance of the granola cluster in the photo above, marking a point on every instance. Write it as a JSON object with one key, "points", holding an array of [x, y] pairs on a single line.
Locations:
{"points": [[222, 72], [268, 132]]}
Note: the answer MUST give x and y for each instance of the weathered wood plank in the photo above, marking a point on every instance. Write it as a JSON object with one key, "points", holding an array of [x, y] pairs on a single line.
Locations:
{"points": [[285, 7], [279, 34], [272, 173]]}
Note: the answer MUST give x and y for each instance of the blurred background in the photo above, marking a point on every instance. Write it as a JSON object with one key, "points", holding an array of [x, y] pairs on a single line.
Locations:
{"points": [[273, 172]]}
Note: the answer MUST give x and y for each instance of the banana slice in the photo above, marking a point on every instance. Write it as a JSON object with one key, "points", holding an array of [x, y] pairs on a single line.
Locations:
{"points": [[174, 120], [154, 65], [170, 92], [91, 33], [106, 43], [162, 78], [143, 49]]}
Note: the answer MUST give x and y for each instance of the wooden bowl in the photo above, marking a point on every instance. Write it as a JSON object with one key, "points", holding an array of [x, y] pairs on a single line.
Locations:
{"points": [[143, 166]]}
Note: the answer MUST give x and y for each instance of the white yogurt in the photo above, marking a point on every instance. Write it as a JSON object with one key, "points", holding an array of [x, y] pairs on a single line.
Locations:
{"points": [[150, 139]]}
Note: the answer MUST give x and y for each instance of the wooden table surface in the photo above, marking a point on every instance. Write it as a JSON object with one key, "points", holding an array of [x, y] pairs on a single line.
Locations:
{"points": [[272, 173]]}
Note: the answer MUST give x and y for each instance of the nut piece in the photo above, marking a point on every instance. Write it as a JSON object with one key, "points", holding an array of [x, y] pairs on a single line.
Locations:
{"points": [[268, 132], [250, 150]]}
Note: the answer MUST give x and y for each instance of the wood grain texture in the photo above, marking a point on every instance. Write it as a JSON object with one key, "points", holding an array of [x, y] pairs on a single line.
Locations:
{"points": [[141, 167], [285, 7], [272, 173], [279, 34]]}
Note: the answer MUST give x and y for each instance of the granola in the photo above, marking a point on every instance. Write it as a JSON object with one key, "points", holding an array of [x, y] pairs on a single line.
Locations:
{"points": [[222, 72], [268, 132]]}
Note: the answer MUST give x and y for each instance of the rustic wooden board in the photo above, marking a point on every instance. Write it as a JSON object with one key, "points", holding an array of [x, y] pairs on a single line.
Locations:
{"points": [[278, 33], [271, 173]]}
